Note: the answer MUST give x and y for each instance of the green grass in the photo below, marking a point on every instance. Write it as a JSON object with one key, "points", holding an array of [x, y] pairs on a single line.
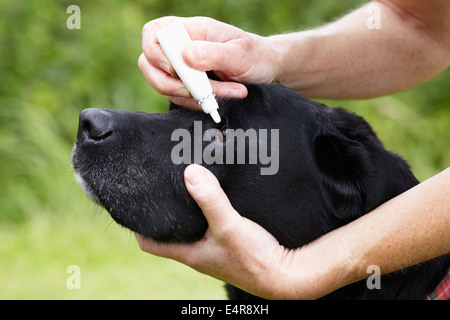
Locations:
{"points": [[35, 256]]}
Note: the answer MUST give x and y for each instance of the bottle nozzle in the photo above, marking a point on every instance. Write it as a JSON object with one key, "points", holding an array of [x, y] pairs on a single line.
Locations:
{"points": [[210, 106], [215, 116]]}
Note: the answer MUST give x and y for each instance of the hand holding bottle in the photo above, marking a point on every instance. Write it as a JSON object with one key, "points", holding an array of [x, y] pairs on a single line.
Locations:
{"points": [[232, 54]]}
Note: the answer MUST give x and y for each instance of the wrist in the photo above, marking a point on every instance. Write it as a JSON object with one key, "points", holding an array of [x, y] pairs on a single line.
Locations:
{"points": [[280, 50], [319, 268], [294, 59], [266, 57]]}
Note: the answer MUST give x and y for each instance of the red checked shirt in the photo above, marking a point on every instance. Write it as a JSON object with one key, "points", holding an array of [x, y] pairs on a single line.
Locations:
{"points": [[442, 291]]}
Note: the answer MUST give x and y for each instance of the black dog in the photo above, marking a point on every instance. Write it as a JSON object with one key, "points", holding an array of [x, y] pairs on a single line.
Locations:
{"points": [[332, 169]]}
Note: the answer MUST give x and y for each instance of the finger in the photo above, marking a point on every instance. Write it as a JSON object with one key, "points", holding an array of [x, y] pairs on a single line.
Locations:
{"points": [[208, 29], [150, 44], [167, 250], [188, 103], [210, 197], [156, 56], [161, 81], [233, 90], [205, 56], [199, 28], [151, 48]]}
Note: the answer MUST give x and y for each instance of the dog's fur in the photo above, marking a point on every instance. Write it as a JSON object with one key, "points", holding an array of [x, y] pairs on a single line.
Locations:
{"points": [[332, 170]]}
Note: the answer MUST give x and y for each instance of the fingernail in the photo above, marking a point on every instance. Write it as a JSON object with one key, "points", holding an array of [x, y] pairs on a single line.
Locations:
{"points": [[164, 66], [196, 55], [183, 92], [191, 51], [194, 175], [236, 93]]}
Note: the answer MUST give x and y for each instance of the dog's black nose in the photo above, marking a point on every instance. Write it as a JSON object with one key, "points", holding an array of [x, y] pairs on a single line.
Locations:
{"points": [[95, 124]]}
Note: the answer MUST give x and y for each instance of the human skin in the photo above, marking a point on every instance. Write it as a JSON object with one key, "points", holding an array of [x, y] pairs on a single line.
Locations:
{"points": [[343, 59], [408, 229]]}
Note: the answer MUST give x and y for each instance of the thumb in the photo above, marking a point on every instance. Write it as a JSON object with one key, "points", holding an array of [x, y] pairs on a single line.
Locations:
{"points": [[220, 58], [205, 56], [210, 197]]}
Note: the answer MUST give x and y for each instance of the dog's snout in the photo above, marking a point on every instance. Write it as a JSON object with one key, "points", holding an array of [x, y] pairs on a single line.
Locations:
{"points": [[95, 124]]}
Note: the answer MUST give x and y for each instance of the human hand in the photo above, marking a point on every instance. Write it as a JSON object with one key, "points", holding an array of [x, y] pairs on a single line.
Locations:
{"points": [[233, 249], [240, 252], [232, 54]]}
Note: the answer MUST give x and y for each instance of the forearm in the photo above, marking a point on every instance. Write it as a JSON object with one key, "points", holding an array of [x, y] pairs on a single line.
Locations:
{"points": [[347, 60], [409, 229]]}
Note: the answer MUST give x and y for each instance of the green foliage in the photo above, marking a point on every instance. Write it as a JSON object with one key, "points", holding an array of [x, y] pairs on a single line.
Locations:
{"points": [[49, 73]]}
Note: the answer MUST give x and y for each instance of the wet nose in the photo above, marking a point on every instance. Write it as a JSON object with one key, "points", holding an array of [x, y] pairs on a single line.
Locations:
{"points": [[95, 125]]}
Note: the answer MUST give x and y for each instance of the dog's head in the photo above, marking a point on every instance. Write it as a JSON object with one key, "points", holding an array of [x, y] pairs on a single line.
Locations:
{"points": [[296, 167]]}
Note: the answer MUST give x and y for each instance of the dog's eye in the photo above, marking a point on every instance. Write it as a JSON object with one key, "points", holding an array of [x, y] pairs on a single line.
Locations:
{"points": [[220, 136], [224, 132]]}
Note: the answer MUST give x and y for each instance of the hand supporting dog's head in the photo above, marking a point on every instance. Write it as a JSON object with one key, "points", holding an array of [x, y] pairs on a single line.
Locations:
{"points": [[296, 167]]}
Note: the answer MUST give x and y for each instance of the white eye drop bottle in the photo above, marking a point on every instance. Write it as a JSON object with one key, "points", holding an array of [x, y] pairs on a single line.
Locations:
{"points": [[172, 39]]}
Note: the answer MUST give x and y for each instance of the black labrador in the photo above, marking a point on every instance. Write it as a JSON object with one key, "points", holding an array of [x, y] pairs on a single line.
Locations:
{"points": [[296, 167]]}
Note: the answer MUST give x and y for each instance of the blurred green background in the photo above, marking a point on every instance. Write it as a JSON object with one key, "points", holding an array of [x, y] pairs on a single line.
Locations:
{"points": [[49, 73]]}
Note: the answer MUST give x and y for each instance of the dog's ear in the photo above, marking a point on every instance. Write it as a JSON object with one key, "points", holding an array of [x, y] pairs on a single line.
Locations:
{"points": [[343, 164], [351, 159], [342, 155]]}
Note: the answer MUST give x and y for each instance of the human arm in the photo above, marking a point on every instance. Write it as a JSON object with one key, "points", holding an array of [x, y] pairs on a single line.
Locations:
{"points": [[409, 229], [347, 60], [344, 59]]}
